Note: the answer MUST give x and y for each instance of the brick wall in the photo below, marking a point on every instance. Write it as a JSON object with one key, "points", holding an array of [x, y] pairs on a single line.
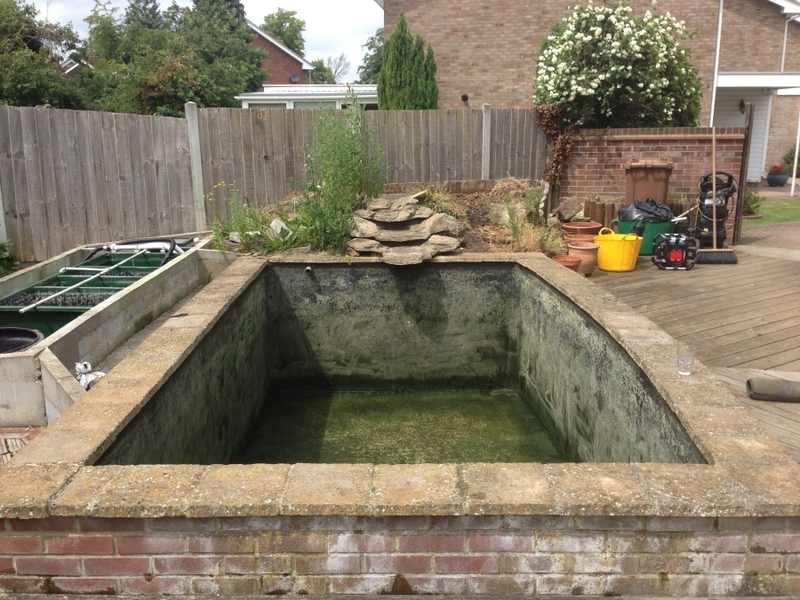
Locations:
{"points": [[783, 127], [442, 555], [488, 49], [279, 65], [598, 158]]}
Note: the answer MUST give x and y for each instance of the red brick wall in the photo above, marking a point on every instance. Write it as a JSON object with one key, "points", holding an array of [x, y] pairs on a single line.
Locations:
{"points": [[597, 161], [279, 65], [442, 555]]}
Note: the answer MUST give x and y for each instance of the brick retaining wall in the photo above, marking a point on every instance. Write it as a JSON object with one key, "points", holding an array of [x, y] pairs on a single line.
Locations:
{"points": [[598, 157], [443, 555]]}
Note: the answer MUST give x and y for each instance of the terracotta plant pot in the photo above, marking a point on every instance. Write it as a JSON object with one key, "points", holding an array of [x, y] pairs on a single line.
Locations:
{"points": [[587, 251], [571, 262], [579, 237], [583, 227]]}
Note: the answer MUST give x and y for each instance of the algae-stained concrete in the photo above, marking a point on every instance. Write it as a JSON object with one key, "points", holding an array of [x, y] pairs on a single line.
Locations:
{"points": [[368, 325], [595, 401], [374, 326]]}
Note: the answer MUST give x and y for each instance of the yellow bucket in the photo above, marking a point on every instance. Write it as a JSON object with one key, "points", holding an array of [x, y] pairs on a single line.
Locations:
{"points": [[618, 251]]}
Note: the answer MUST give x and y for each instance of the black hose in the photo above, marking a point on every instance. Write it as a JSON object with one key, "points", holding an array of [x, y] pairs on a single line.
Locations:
{"points": [[173, 245]]}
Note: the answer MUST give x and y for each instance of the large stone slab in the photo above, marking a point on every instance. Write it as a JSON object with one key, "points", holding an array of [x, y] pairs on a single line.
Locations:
{"points": [[399, 210], [406, 255], [410, 232]]}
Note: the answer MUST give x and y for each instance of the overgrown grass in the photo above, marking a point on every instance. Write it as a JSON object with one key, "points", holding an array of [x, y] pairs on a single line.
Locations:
{"points": [[438, 199], [781, 210]]}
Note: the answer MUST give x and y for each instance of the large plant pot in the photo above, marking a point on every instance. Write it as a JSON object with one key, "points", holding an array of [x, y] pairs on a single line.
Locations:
{"points": [[571, 262], [587, 251], [583, 227], [777, 180]]}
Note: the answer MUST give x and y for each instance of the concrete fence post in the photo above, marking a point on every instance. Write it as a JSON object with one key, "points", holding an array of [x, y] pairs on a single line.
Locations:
{"points": [[193, 125], [486, 146]]}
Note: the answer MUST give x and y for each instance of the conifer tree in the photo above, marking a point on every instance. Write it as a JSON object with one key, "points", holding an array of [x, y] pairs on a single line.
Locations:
{"points": [[407, 78]]}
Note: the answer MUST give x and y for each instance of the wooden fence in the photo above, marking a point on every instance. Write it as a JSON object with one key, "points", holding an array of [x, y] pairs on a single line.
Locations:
{"points": [[71, 177], [263, 150]]}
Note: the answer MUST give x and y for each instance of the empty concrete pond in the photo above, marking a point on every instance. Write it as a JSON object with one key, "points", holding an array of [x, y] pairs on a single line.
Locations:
{"points": [[466, 328], [669, 487]]}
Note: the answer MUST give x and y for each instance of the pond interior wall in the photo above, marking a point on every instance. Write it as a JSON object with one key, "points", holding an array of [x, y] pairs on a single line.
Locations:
{"points": [[374, 326]]}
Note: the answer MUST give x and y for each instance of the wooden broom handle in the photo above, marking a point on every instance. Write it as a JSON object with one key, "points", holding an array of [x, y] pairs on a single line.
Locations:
{"points": [[714, 186]]}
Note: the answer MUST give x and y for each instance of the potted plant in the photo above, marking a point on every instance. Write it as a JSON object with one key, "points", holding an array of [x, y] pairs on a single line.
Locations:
{"points": [[777, 176]]}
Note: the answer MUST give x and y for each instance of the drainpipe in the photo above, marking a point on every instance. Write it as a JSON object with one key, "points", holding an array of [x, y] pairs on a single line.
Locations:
{"points": [[785, 37], [796, 153], [716, 67]]}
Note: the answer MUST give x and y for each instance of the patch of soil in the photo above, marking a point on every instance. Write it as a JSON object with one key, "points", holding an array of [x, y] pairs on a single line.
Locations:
{"points": [[484, 236]]}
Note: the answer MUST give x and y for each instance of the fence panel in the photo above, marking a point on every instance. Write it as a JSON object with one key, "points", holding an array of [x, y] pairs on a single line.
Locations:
{"points": [[70, 178], [418, 146]]}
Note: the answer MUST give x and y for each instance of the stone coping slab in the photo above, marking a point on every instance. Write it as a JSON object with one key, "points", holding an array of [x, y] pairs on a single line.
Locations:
{"points": [[747, 473]]}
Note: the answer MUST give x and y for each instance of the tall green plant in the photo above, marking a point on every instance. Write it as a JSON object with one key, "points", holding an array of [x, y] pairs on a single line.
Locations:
{"points": [[407, 80], [344, 167]]}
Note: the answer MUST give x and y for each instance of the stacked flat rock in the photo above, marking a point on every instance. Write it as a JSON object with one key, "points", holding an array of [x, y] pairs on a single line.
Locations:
{"points": [[402, 231]]}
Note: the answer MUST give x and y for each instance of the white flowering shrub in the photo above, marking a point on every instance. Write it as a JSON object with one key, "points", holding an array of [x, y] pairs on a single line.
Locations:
{"points": [[607, 68]]}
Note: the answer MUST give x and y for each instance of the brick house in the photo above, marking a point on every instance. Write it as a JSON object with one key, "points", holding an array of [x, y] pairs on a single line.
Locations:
{"points": [[283, 67], [487, 50]]}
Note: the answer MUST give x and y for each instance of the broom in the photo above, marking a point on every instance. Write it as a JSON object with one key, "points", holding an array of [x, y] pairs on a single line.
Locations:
{"points": [[714, 255]]}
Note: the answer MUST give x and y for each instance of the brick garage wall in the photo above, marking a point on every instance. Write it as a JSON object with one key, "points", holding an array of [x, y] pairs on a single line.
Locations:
{"points": [[278, 65], [443, 555], [598, 157], [783, 128]]}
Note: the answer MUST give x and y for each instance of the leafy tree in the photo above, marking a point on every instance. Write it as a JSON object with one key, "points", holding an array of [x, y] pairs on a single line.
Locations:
{"points": [[606, 68], [321, 73], [371, 64], [284, 26], [339, 66], [407, 80], [200, 53], [144, 12], [30, 51]]}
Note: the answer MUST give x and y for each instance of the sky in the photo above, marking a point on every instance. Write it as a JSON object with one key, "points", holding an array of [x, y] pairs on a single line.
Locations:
{"points": [[331, 27]]}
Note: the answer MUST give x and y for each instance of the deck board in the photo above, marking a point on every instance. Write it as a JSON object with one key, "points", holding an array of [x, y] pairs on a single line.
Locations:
{"points": [[744, 318]]}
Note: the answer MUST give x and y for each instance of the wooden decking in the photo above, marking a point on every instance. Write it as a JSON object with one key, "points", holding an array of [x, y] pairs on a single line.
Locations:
{"points": [[744, 317]]}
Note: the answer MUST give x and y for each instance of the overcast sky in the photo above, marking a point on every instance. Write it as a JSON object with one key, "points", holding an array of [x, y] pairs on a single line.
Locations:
{"points": [[331, 27]]}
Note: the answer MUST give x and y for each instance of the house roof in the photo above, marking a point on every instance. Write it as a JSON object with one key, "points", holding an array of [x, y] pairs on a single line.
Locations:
{"points": [[790, 7], [306, 66], [759, 80], [281, 93]]}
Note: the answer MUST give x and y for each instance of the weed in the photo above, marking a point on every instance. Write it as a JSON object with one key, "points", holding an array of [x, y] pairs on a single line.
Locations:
{"points": [[438, 200], [251, 225], [752, 201], [513, 222], [345, 166], [7, 260], [533, 198]]}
